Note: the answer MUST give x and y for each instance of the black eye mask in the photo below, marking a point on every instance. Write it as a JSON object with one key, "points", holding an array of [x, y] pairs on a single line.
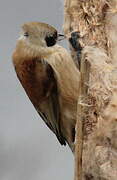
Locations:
{"points": [[51, 40]]}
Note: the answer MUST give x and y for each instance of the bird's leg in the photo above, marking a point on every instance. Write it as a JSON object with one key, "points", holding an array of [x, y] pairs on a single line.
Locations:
{"points": [[74, 41]]}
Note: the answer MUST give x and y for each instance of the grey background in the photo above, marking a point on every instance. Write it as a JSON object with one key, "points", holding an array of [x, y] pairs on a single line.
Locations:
{"points": [[28, 150]]}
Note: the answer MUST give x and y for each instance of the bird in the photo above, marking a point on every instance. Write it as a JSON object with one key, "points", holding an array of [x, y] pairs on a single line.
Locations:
{"points": [[49, 77]]}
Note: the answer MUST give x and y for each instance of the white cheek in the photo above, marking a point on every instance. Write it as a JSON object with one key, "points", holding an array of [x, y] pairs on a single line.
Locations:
{"points": [[22, 37]]}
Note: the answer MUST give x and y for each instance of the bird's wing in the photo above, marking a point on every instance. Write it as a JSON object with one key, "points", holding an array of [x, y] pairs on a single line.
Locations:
{"points": [[50, 109]]}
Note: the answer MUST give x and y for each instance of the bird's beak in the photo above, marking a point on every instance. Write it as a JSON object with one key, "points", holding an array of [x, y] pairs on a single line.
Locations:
{"points": [[61, 37]]}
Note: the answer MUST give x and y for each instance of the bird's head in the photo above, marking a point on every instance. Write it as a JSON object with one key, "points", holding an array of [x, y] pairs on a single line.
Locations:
{"points": [[38, 34]]}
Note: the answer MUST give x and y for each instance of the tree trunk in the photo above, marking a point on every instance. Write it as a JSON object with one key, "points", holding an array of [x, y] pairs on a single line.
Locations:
{"points": [[96, 127]]}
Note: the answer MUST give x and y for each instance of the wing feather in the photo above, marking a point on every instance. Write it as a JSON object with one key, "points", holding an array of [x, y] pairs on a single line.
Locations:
{"points": [[51, 107]]}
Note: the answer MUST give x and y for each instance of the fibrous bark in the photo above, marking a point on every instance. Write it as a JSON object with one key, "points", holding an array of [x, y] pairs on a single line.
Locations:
{"points": [[96, 129]]}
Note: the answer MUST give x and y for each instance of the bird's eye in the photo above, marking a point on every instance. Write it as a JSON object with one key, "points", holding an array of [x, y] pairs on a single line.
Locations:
{"points": [[26, 34], [51, 39]]}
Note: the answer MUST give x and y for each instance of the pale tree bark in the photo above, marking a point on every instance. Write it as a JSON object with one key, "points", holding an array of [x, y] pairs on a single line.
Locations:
{"points": [[96, 127]]}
